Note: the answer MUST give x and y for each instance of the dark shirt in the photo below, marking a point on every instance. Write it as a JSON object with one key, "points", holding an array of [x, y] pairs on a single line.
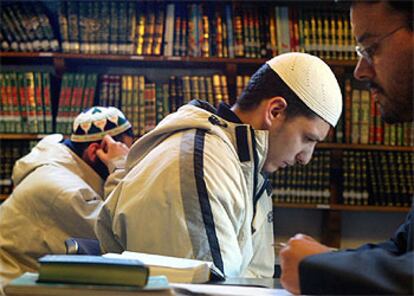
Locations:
{"points": [[384, 268]]}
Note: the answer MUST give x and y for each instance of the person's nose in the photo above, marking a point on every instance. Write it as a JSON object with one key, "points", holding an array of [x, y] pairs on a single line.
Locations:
{"points": [[304, 157], [364, 70]]}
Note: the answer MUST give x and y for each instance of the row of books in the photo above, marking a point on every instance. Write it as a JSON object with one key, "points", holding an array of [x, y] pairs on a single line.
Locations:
{"points": [[144, 103], [77, 92], [304, 184], [361, 121], [26, 27], [241, 83], [26, 106], [378, 178], [11, 151], [141, 101], [225, 30], [25, 102], [255, 31]]}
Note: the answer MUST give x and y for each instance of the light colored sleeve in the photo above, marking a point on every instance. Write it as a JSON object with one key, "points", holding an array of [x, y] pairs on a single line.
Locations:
{"points": [[117, 171]]}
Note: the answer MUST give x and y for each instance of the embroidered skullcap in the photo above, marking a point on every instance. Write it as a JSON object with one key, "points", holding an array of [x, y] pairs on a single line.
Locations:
{"points": [[96, 122], [312, 81]]}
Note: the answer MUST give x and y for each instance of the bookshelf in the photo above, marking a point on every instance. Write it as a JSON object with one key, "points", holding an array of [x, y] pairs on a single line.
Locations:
{"points": [[158, 68], [333, 207]]}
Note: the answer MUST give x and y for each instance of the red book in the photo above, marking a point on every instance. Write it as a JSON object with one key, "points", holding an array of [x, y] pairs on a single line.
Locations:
{"points": [[348, 114], [372, 121], [379, 127]]}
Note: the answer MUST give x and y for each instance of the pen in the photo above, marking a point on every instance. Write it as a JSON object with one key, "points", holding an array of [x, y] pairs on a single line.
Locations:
{"points": [[282, 245]]}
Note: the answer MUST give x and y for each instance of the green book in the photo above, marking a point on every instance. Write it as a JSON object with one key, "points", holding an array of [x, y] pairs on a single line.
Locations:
{"points": [[82, 269], [28, 284]]}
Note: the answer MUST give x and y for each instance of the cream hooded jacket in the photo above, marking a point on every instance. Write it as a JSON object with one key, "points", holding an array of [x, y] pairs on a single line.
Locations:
{"points": [[194, 189], [55, 197]]}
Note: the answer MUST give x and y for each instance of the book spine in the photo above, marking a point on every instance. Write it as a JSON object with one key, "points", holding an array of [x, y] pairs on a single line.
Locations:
{"points": [[32, 123], [73, 26], [158, 29], [141, 106], [113, 27], [229, 26], [141, 19], [47, 103], [187, 89], [84, 25], [238, 30], [169, 30], [150, 106], [104, 32], [356, 105], [364, 116], [204, 33]]}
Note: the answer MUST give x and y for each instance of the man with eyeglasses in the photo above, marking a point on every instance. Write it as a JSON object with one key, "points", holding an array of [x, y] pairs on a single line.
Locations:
{"points": [[384, 32]]}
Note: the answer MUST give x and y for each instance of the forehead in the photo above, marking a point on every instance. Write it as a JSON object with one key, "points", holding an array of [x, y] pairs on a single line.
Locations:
{"points": [[316, 126], [373, 19]]}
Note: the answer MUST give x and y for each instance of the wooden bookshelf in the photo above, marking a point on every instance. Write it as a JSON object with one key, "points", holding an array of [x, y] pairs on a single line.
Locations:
{"points": [[23, 137], [368, 147], [150, 59], [335, 207]]}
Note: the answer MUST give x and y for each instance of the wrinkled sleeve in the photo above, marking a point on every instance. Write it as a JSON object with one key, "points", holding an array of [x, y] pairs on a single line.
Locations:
{"points": [[117, 171]]}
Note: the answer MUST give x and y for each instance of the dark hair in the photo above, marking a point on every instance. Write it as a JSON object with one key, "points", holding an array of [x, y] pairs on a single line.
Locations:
{"points": [[403, 7], [265, 84], [79, 147]]}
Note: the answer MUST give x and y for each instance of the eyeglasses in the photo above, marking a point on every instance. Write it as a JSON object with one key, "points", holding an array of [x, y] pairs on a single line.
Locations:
{"points": [[368, 52]]}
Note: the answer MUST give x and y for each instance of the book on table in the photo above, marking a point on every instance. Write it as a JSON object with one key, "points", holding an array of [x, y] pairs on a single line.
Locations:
{"points": [[92, 270], [177, 270], [28, 284]]}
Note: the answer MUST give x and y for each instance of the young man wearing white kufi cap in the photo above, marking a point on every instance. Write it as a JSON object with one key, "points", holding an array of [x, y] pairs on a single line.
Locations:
{"points": [[58, 187], [197, 185]]}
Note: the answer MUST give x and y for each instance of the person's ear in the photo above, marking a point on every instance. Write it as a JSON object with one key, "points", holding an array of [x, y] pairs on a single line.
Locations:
{"points": [[275, 108], [90, 152]]}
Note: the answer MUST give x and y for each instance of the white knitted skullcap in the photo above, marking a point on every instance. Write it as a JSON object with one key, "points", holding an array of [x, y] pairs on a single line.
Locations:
{"points": [[96, 122], [312, 81]]}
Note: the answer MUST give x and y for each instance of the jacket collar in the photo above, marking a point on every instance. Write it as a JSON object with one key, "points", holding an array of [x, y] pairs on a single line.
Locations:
{"points": [[259, 143]]}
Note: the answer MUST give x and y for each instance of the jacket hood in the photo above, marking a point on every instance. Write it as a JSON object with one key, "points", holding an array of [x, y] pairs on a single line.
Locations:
{"points": [[195, 115], [50, 151]]}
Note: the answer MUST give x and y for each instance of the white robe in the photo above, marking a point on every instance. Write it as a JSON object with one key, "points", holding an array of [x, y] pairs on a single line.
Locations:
{"points": [[56, 197], [189, 192]]}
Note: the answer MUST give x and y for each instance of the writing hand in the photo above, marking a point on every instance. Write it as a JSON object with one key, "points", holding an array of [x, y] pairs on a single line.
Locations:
{"points": [[297, 248]]}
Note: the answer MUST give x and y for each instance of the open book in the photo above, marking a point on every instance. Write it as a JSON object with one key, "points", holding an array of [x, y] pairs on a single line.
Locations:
{"points": [[177, 270]]}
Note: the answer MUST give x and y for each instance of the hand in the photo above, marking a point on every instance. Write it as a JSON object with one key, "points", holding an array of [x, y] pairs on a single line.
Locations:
{"points": [[297, 248], [110, 150]]}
